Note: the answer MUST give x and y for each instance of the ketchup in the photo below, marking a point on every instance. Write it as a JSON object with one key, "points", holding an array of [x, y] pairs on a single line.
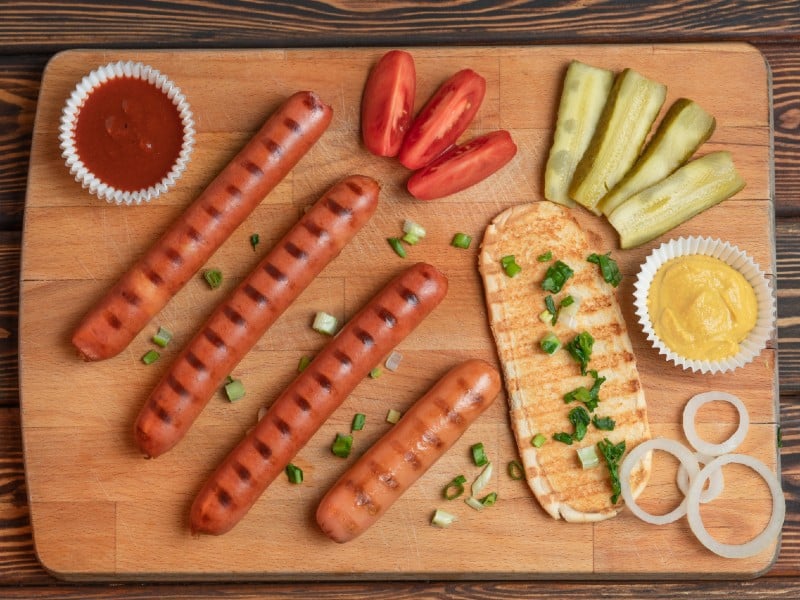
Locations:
{"points": [[128, 133]]}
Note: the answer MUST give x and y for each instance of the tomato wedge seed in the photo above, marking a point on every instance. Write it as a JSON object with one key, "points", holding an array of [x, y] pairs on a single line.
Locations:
{"points": [[463, 166], [387, 104], [445, 116]]}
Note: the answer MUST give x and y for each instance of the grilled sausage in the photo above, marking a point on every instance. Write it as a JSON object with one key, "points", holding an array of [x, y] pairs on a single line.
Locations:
{"points": [[196, 234], [425, 432], [239, 322], [313, 396]]}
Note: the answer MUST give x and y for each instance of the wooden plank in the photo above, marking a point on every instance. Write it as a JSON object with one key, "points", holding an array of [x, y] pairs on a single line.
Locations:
{"points": [[77, 417]]}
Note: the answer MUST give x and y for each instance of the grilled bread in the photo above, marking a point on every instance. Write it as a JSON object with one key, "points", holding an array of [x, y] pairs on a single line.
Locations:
{"points": [[536, 382]]}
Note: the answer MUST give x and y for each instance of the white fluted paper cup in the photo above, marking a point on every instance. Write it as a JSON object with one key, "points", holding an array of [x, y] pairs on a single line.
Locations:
{"points": [[758, 337], [71, 114]]}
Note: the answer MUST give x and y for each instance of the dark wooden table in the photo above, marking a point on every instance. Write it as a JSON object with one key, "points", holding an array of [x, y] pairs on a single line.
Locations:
{"points": [[31, 32]]}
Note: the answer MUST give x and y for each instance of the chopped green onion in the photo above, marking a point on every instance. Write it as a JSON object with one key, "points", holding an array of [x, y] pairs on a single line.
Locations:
{"points": [[515, 470], [579, 417], [474, 503], [442, 518], [545, 257], [510, 266], [375, 373], [410, 239], [359, 419], [550, 343], [150, 357], [479, 455], [546, 317], [612, 453], [303, 363], [604, 423], [566, 301], [213, 277], [780, 437], [393, 416], [563, 437], [325, 323], [342, 445], [608, 267], [588, 457], [295, 474], [580, 348], [254, 239], [482, 479], [556, 276], [397, 246], [489, 499], [415, 229], [162, 337], [455, 488], [461, 240], [538, 440], [234, 390], [589, 397]]}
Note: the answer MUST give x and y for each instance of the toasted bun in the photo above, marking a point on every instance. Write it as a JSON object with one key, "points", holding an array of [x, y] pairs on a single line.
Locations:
{"points": [[536, 382]]}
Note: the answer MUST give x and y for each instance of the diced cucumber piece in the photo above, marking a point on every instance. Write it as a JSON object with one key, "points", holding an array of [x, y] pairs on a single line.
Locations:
{"points": [[696, 186], [633, 105], [684, 128], [583, 97]]}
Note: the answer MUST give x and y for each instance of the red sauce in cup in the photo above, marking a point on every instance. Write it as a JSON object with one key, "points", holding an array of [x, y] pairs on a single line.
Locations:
{"points": [[128, 133]]}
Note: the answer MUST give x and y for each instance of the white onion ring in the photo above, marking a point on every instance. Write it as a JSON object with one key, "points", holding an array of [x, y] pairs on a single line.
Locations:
{"points": [[680, 452], [690, 413], [715, 480], [763, 539]]}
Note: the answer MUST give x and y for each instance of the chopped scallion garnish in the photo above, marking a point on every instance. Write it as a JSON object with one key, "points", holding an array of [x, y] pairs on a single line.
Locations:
{"points": [[213, 277], [550, 343], [489, 499], [455, 488], [538, 440], [397, 246], [254, 239], [580, 348], [588, 457], [375, 373], [515, 470], [608, 267], [303, 363], [474, 503], [415, 229], [604, 423], [393, 416], [482, 479], [563, 437], [342, 445], [410, 239], [556, 276], [294, 473], [545, 257], [150, 357], [510, 266], [612, 453], [479, 455], [359, 419], [234, 390], [325, 323], [442, 518], [162, 337], [461, 240]]}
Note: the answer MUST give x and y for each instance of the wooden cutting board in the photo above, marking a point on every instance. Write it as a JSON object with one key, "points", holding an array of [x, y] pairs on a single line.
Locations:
{"points": [[100, 511]]}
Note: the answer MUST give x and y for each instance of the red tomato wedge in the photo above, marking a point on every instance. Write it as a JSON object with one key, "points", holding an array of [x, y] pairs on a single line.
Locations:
{"points": [[387, 105], [463, 166], [445, 117]]}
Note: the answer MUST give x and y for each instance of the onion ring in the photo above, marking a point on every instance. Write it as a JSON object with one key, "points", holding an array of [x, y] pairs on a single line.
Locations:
{"points": [[690, 413], [762, 540], [673, 447], [715, 480]]}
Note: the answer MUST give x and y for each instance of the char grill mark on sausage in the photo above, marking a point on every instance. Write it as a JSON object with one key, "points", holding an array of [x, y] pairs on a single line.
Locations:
{"points": [[282, 426], [253, 168], [255, 295], [337, 209], [275, 273], [325, 383], [213, 337], [409, 296], [293, 125], [212, 212], [272, 146], [174, 256], [387, 317], [314, 229], [355, 188], [131, 297], [194, 235], [296, 252], [113, 320], [343, 359], [242, 471], [363, 336], [195, 362], [154, 277], [304, 405], [234, 316], [161, 413], [177, 387], [234, 192], [264, 450], [224, 497]]}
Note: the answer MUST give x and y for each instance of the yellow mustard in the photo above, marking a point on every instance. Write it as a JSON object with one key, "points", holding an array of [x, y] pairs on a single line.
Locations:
{"points": [[701, 308]]}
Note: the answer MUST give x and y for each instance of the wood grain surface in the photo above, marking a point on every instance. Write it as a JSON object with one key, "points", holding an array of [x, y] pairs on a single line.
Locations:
{"points": [[100, 511], [32, 31]]}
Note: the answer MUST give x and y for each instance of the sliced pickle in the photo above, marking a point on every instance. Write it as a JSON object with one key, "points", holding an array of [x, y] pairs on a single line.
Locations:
{"points": [[684, 128], [694, 187], [632, 106], [583, 97]]}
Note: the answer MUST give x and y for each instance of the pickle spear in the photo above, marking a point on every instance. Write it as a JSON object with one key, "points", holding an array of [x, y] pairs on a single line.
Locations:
{"points": [[684, 128], [583, 97], [632, 106], [694, 187]]}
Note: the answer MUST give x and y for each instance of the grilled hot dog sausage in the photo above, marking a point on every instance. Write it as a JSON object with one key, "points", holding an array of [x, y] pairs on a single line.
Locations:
{"points": [[313, 396], [240, 321], [425, 432], [202, 228]]}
